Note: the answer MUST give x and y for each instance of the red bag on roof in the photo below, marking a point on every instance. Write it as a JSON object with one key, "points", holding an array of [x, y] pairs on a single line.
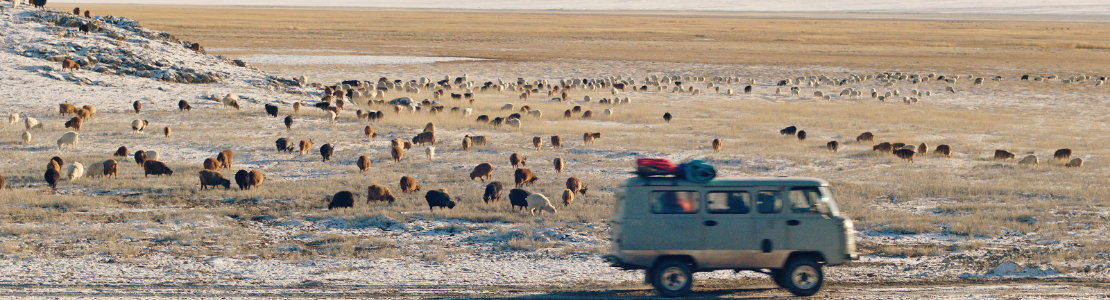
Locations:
{"points": [[658, 163]]}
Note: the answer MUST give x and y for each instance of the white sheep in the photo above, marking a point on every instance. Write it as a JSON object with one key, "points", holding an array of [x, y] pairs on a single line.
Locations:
{"points": [[137, 126], [69, 138], [27, 137], [31, 123], [430, 152], [73, 171], [95, 169], [539, 202]]}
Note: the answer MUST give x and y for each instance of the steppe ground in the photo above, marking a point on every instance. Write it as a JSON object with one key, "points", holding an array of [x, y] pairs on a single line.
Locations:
{"points": [[968, 210]]}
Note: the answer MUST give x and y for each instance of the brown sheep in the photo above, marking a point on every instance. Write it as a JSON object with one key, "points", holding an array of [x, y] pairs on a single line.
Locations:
{"points": [[154, 167], [111, 168], [716, 145], [305, 146], [379, 193], [122, 151], [537, 142], [225, 158], [397, 153], [326, 151], [138, 106], [211, 164], [466, 143], [1003, 154], [69, 64], [832, 146], [906, 154], [517, 160], [524, 177], [1075, 163], [866, 136], [945, 150], [74, 123], [369, 132], [408, 185], [556, 142], [1062, 154], [576, 185], [426, 137], [482, 171], [363, 163], [213, 178], [923, 149], [255, 179], [568, 197], [559, 165], [66, 108], [883, 147]]}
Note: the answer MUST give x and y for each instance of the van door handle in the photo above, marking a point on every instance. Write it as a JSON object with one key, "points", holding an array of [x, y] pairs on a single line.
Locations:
{"points": [[710, 223], [793, 222]]}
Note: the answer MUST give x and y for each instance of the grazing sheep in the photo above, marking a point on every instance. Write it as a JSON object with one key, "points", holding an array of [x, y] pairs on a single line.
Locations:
{"points": [[272, 110], [439, 198], [832, 146], [51, 176], [213, 178], [137, 126], [568, 197], [31, 123], [341, 200], [26, 137], [211, 164], [791, 130], [326, 151], [801, 135], [138, 106], [255, 179], [493, 192], [430, 152], [556, 142], [923, 149], [369, 132], [1003, 154], [224, 157], [1062, 154], [73, 171], [518, 197], [426, 137], [516, 159], [305, 146], [559, 165], [482, 171], [69, 139], [377, 192], [1075, 163], [524, 176], [140, 157], [883, 147], [1029, 160], [576, 185], [154, 167], [363, 163], [69, 64], [906, 154], [183, 105], [667, 117], [289, 122], [397, 153], [408, 185], [539, 202]]}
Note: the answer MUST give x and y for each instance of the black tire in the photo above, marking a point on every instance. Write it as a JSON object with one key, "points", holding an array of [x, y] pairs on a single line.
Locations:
{"points": [[672, 278], [802, 276]]}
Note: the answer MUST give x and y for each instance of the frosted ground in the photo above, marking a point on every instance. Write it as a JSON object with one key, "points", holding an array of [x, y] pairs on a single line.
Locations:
{"points": [[433, 254]]}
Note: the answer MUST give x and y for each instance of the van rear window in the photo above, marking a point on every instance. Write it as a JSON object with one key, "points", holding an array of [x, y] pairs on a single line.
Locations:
{"points": [[674, 202]]}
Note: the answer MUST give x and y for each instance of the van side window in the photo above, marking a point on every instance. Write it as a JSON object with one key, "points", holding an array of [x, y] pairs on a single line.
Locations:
{"points": [[729, 202], [674, 202], [804, 199], [768, 203]]}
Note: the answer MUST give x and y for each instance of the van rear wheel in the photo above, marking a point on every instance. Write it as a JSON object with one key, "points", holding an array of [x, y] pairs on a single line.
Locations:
{"points": [[672, 278], [802, 277]]}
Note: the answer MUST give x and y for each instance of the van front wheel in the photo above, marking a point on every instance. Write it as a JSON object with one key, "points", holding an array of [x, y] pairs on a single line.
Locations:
{"points": [[802, 277], [672, 278]]}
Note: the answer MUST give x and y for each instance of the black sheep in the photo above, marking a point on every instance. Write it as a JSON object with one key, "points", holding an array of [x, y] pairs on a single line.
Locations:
{"points": [[342, 199], [493, 192], [518, 197], [439, 198]]}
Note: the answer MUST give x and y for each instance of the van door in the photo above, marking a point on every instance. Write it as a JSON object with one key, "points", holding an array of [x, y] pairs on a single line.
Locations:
{"points": [[770, 229], [730, 233], [806, 227], [671, 223]]}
